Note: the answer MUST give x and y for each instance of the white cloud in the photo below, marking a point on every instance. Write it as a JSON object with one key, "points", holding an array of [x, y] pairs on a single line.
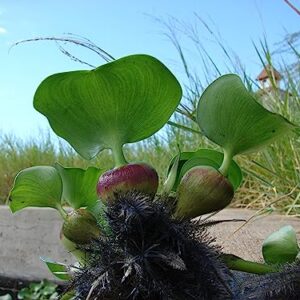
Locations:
{"points": [[2, 30]]}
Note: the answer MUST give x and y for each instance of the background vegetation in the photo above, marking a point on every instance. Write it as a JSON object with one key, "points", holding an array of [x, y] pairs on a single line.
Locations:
{"points": [[272, 176]]}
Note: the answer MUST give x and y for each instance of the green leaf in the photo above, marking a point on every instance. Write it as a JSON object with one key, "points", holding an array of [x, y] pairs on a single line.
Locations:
{"points": [[206, 157], [79, 186], [124, 101], [6, 297], [49, 289], [35, 286], [68, 296], [281, 246], [24, 293], [231, 117], [59, 270], [39, 186], [172, 175]]}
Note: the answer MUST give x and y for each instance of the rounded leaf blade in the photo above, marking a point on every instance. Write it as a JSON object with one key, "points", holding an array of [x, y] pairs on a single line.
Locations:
{"points": [[206, 157], [231, 117], [39, 186], [124, 101], [79, 185]]}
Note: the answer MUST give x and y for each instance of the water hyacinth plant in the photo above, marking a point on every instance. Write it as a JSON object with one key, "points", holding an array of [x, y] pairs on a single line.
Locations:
{"points": [[231, 117], [130, 241]]}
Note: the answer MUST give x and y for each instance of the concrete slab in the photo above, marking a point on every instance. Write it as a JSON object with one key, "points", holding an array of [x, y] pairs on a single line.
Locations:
{"points": [[247, 241], [33, 232], [24, 237]]}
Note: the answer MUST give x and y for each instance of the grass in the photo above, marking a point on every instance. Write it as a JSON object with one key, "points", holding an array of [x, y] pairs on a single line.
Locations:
{"points": [[271, 177], [17, 154]]}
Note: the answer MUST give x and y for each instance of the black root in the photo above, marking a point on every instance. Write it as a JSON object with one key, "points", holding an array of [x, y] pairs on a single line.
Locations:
{"points": [[150, 256]]}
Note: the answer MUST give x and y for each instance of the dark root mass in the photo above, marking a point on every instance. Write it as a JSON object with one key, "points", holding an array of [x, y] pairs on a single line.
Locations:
{"points": [[274, 286], [150, 256]]}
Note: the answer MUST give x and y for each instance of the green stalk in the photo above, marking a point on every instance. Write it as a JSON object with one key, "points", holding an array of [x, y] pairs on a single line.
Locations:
{"points": [[119, 157], [226, 162], [62, 212], [238, 264]]}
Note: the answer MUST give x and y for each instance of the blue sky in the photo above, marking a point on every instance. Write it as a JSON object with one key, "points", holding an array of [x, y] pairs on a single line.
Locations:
{"points": [[120, 27]]}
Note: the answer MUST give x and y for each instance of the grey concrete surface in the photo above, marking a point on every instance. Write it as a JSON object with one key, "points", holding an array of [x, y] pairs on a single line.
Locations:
{"points": [[24, 237], [34, 232], [247, 241]]}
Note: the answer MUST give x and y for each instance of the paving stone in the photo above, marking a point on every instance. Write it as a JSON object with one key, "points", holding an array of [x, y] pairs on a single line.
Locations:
{"points": [[34, 232], [24, 237], [247, 241]]}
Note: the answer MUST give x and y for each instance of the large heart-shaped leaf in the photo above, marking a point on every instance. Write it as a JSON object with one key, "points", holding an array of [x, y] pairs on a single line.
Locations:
{"points": [[59, 270], [39, 186], [206, 157], [281, 246], [124, 101], [79, 186], [231, 117]]}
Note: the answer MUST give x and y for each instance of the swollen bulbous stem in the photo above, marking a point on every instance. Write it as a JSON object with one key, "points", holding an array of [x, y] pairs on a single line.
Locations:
{"points": [[226, 162], [71, 247], [118, 155]]}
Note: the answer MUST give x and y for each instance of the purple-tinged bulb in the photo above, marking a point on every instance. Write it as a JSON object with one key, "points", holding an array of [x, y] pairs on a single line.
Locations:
{"points": [[132, 177], [202, 190]]}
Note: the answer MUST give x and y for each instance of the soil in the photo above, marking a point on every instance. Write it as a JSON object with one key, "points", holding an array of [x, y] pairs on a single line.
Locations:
{"points": [[12, 286]]}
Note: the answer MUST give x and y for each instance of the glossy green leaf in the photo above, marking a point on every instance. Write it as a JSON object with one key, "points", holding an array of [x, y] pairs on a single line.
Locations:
{"points": [[231, 117], [59, 270], [68, 296], [172, 176], [39, 186], [281, 246], [79, 186], [39, 291], [124, 101], [6, 297], [24, 293], [206, 157]]}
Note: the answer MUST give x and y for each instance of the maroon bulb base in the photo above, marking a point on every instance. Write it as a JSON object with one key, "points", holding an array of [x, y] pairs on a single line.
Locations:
{"points": [[132, 177]]}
